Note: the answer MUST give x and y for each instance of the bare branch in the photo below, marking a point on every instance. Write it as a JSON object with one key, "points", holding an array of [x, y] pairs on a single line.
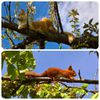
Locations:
{"points": [[12, 42], [9, 10], [79, 74]]}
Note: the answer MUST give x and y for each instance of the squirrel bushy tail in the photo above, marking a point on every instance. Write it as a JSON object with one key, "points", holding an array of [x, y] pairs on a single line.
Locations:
{"points": [[32, 74]]}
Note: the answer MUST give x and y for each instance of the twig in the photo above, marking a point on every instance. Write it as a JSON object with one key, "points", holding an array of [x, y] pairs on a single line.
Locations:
{"points": [[63, 84], [27, 21], [13, 44], [96, 73], [6, 8], [79, 74], [95, 91], [5, 19], [9, 11], [23, 44], [82, 95]]}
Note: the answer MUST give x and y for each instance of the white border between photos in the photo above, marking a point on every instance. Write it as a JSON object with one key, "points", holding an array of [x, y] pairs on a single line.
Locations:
{"points": [[1, 49]]}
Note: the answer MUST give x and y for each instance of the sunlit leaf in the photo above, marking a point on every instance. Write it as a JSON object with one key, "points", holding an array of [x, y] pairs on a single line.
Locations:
{"points": [[11, 70], [84, 86], [95, 96], [20, 89]]}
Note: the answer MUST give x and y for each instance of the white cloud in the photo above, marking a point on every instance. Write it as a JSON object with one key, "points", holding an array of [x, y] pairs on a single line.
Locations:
{"points": [[87, 10]]}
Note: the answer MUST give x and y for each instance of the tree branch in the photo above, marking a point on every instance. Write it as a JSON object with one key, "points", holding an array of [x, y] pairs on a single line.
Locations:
{"points": [[92, 42], [58, 16], [11, 40], [92, 91], [49, 79], [54, 37]]}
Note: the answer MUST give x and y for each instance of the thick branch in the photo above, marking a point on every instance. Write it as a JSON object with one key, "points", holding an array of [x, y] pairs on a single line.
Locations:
{"points": [[49, 79], [53, 37], [92, 42]]}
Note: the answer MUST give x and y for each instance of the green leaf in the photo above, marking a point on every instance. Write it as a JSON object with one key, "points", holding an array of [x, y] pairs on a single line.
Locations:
{"points": [[76, 19], [20, 89], [84, 86], [64, 95], [73, 26], [71, 21], [11, 54], [11, 70], [26, 60], [96, 24], [90, 22], [85, 25], [25, 92], [75, 12], [3, 58], [95, 96], [3, 36], [60, 46]]}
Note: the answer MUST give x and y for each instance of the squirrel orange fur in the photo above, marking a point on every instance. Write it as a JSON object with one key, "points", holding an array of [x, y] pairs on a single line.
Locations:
{"points": [[32, 74], [54, 73], [44, 25]]}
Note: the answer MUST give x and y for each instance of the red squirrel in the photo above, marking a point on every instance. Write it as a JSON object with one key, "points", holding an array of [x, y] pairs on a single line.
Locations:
{"points": [[54, 73]]}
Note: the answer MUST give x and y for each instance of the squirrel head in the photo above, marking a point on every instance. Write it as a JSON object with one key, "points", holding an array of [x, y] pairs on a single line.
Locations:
{"points": [[22, 16], [71, 71], [22, 12]]}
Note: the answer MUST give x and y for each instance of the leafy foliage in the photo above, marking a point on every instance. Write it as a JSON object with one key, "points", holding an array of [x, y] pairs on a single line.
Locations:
{"points": [[44, 90], [90, 28], [73, 14], [18, 62]]}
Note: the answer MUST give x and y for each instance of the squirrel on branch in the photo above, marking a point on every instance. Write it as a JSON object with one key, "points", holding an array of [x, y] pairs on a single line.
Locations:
{"points": [[54, 73], [44, 25]]}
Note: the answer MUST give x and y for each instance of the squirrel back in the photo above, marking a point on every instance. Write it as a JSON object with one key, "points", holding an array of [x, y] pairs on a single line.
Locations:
{"points": [[57, 73]]}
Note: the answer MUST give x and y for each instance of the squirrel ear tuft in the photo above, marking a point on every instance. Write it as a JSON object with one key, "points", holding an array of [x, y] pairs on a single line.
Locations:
{"points": [[70, 67], [22, 11]]}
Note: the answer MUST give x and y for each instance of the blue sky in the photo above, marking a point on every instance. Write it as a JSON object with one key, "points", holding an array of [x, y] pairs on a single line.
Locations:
{"points": [[87, 63], [42, 8]]}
